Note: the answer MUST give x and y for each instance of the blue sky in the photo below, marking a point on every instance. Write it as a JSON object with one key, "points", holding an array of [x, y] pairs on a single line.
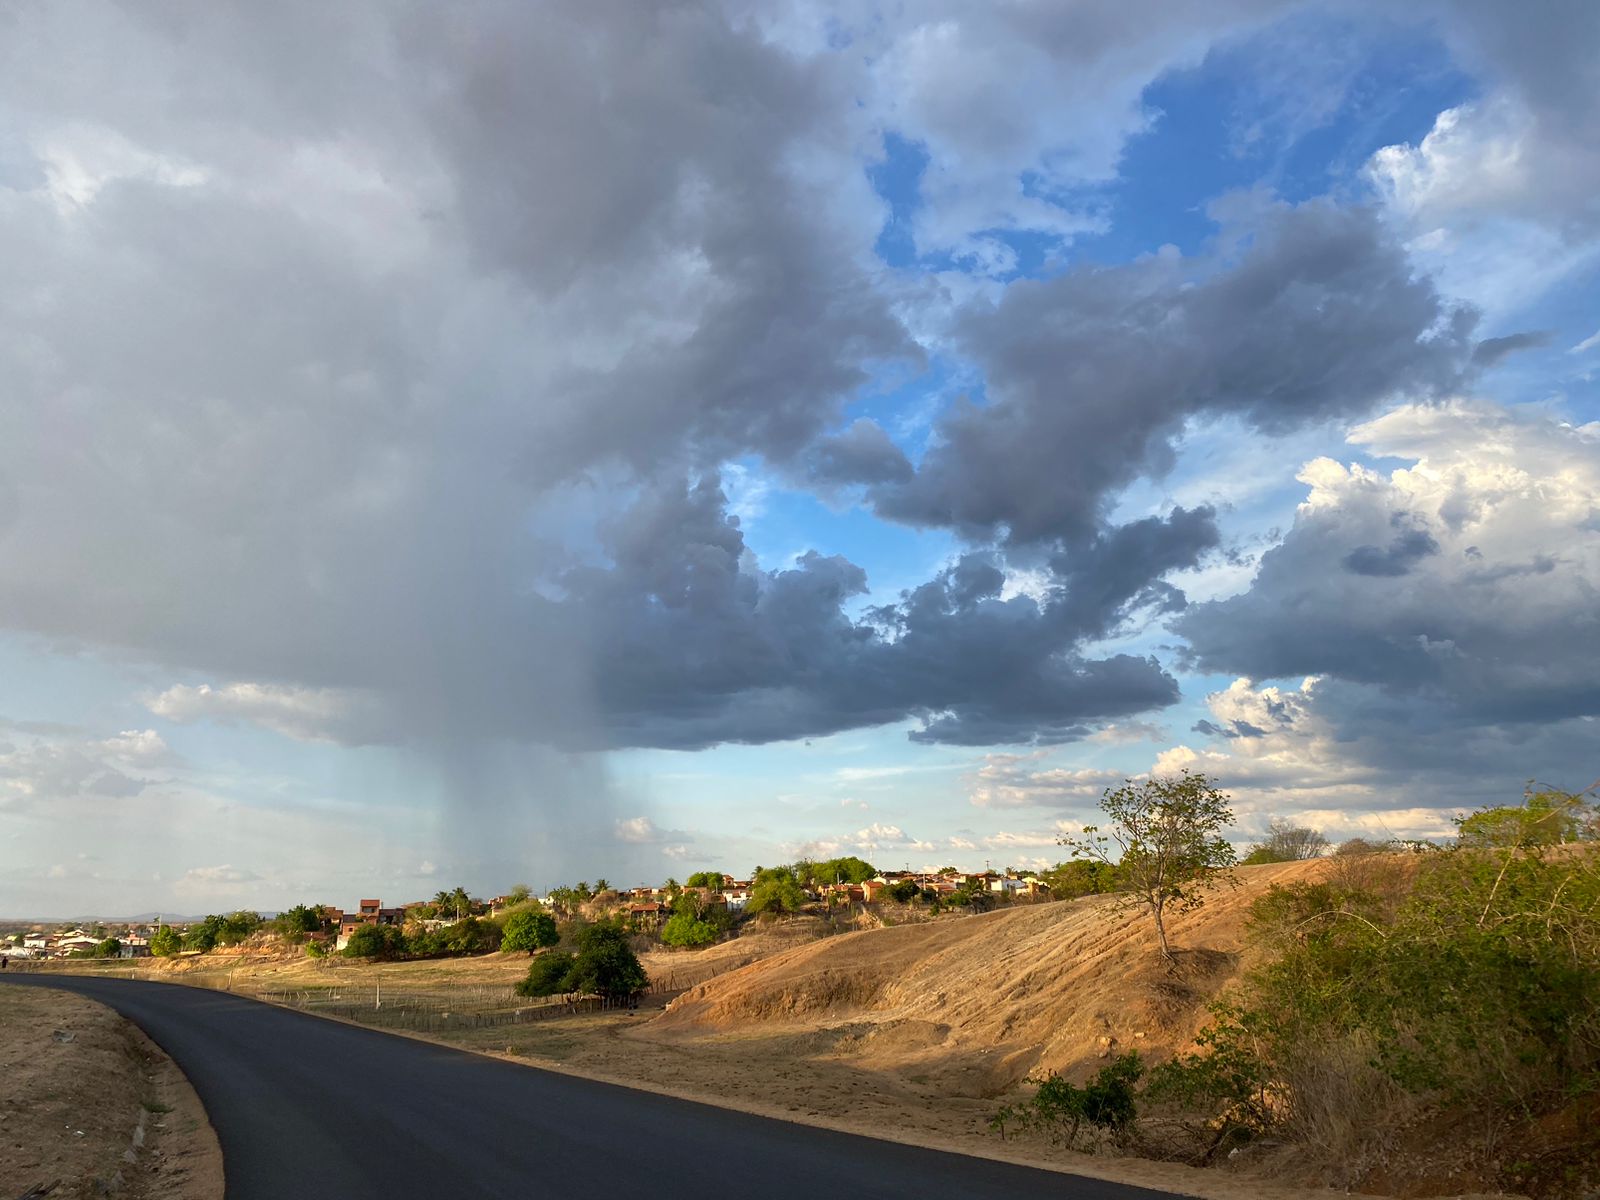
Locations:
{"points": [[803, 431]]}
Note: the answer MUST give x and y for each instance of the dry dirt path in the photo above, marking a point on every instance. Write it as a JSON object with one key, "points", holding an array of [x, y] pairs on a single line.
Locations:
{"points": [[306, 1107]]}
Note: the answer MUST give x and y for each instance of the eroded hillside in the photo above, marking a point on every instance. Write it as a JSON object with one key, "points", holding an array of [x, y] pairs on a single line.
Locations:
{"points": [[975, 1004]]}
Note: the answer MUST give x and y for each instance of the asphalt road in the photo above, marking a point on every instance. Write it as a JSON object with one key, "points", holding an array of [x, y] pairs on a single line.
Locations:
{"points": [[308, 1108]]}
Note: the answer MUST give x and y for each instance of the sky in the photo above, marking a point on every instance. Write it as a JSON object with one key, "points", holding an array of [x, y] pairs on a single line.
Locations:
{"points": [[503, 443]]}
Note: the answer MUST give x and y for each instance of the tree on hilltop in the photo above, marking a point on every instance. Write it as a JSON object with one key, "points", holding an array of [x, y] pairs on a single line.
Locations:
{"points": [[1287, 842], [1164, 836]]}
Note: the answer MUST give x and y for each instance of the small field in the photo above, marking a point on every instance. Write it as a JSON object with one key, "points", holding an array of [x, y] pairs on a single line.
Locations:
{"points": [[90, 1107]]}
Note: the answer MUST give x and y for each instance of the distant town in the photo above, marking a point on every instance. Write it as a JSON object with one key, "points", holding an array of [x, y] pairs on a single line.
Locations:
{"points": [[711, 902]]}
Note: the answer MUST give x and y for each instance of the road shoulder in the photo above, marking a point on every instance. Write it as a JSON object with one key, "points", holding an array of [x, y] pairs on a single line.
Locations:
{"points": [[92, 1106]]}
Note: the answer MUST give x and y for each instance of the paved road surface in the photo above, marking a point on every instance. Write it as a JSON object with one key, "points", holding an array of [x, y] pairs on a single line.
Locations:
{"points": [[307, 1108]]}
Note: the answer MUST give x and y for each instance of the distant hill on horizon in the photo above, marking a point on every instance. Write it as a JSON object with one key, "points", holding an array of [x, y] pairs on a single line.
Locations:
{"points": [[136, 919]]}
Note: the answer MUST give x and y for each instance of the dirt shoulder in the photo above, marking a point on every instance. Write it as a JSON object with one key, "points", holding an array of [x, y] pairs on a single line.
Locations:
{"points": [[92, 1106]]}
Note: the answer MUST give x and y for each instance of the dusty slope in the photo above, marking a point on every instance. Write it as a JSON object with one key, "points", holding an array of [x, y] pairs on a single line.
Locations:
{"points": [[976, 1003]]}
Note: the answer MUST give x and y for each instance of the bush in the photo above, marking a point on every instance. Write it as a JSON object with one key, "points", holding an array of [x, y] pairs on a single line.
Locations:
{"points": [[1105, 1106], [547, 974], [776, 890], [316, 949], [683, 929], [530, 931], [470, 936], [165, 942], [606, 965], [1477, 994], [376, 941], [903, 892]]}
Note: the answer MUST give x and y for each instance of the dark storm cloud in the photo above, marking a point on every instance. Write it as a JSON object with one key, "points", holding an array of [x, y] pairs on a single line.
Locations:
{"points": [[1491, 350], [861, 453], [1299, 314], [698, 645], [317, 382], [649, 160], [1396, 558], [382, 389]]}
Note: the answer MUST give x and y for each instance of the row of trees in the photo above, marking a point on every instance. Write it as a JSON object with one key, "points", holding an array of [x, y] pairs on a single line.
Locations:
{"points": [[470, 936]]}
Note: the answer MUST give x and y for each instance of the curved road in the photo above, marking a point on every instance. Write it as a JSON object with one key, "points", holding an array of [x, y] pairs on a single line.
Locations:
{"points": [[305, 1108]]}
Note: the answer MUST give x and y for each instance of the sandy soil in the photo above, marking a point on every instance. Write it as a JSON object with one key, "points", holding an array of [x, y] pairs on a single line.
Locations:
{"points": [[88, 1103]]}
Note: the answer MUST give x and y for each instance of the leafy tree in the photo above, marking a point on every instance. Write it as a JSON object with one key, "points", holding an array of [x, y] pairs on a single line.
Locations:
{"points": [[776, 891], [706, 879], [204, 935], [165, 942], [1286, 842], [443, 900], [376, 941], [1165, 839], [530, 931], [903, 892], [109, 948], [971, 895], [547, 974], [848, 869], [301, 919], [470, 936], [519, 894], [671, 885], [605, 964], [682, 929], [1081, 877], [237, 926]]}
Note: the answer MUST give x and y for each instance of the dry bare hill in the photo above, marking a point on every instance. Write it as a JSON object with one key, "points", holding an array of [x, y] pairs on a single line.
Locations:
{"points": [[974, 1004]]}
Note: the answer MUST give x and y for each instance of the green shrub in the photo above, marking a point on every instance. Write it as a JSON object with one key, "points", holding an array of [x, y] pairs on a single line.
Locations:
{"points": [[1477, 993], [530, 931], [1104, 1107], [376, 941], [165, 942], [605, 964], [682, 929], [547, 974]]}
